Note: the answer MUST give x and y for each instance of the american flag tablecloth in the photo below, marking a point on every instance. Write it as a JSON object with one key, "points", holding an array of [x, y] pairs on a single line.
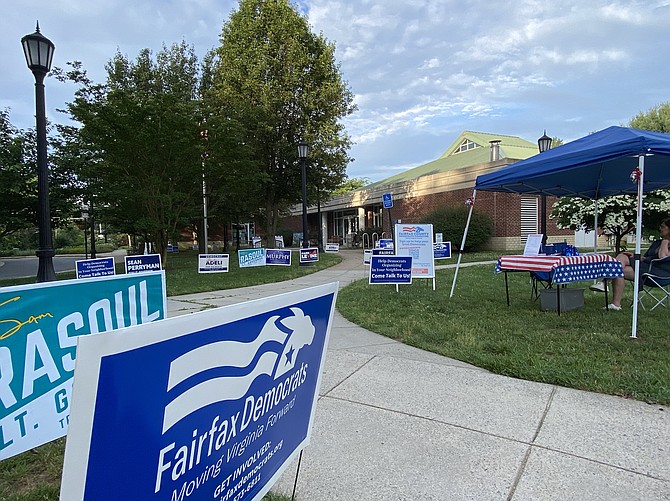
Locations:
{"points": [[564, 269]]}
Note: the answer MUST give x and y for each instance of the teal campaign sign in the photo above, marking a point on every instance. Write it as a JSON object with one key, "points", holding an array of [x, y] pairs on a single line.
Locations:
{"points": [[248, 258], [39, 326]]}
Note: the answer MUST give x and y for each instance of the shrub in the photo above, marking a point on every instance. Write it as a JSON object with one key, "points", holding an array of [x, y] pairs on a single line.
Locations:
{"points": [[450, 221]]}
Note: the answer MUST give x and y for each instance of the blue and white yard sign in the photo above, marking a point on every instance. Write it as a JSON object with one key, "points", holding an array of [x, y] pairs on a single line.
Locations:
{"points": [[39, 326], [416, 240], [141, 263], [383, 252], [208, 406], [309, 255], [213, 263], [249, 258], [332, 247], [278, 257], [442, 250], [390, 270], [94, 268], [384, 243]]}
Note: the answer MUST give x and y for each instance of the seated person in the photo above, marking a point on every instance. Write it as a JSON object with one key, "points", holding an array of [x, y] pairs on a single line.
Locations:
{"points": [[658, 250]]}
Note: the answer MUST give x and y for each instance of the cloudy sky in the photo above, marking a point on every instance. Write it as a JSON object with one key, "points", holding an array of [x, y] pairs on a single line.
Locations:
{"points": [[422, 71]]}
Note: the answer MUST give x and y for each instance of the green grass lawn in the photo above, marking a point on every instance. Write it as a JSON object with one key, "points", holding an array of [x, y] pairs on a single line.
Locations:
{"points": [[588, 348]]}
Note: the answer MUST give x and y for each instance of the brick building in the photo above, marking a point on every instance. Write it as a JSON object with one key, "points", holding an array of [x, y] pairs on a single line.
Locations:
{"points": [[446, 181]]}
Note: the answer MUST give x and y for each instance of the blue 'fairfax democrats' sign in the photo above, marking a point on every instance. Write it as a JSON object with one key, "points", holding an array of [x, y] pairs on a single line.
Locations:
{"points": [[209, 406]]}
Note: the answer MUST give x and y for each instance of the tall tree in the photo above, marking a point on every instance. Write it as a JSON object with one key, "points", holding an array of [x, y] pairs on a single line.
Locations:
{"points": [[656, 119], [141, 132], [18, 180], [282, 82]]}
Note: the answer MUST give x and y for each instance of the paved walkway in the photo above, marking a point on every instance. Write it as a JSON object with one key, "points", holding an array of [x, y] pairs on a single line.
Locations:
{"points": [[397, 423]]}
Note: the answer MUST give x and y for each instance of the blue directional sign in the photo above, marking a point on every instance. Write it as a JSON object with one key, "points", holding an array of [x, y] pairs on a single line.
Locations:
{"points": [[390, 270], [208, 406], [387, 200]]}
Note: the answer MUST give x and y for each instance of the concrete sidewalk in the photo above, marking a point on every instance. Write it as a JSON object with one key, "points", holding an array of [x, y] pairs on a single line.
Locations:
{"points": [[397, 423]]}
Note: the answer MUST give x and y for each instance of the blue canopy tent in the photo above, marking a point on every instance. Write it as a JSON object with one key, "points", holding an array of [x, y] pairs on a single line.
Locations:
{"points": [[613, 161]]}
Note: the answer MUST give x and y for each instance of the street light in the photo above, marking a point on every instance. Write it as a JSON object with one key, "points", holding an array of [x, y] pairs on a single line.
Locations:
{"points": [[543, 144], [303, 150], [39, 52]]}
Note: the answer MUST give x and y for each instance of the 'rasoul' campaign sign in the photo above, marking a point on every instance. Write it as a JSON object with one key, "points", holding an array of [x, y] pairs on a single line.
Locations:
{"points": [[39, 326], [225, 401]]}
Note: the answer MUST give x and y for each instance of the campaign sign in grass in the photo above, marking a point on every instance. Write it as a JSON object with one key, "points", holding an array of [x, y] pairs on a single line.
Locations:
{"points": [[39, 326], [225, 401], [416, 240], [367, 255], [278, 257], [385, 243], [213, 263], [442, 250], [94, 268], [390, 270], [309, 255], [332, 247], [142, 263], [383, 252], [249, 258]]}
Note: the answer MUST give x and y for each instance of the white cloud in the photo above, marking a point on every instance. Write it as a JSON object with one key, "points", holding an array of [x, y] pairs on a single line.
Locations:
{"points": [[420, 70]]}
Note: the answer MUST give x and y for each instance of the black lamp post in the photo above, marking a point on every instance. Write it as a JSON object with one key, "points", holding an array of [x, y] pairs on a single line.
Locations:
{"points": [[303, 150], [39, 52], [543, 144]]}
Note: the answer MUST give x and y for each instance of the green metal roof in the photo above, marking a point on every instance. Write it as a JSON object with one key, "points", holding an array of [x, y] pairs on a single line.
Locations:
{"points": [[510, 147]]}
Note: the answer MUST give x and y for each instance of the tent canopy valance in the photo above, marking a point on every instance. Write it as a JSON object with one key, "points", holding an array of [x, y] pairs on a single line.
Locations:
{"points": [[596, 166]]}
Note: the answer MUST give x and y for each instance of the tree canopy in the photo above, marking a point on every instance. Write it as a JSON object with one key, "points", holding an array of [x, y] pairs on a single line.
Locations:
{"points": [[282, 83], [617, 215]]}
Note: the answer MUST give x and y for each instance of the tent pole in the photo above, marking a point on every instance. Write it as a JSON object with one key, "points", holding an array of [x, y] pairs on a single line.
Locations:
{"points": [[595, 228], [465, 234], [638, 237]]}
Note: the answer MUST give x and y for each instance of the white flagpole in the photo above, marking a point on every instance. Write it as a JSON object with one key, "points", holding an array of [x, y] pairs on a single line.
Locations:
{"points": [[465, 234], [638, 237]]}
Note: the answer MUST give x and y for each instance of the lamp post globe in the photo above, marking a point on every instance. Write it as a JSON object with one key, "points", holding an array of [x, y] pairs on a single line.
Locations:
{"points": [[39, 51], [303, 151], [543, 144]]}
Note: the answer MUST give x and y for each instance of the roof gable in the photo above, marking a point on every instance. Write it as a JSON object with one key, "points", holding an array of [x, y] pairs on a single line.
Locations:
{"points": [[476, 150]]}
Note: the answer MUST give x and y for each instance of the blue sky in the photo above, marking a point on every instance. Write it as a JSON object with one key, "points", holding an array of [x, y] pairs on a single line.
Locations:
{"points": [[422, 71]]}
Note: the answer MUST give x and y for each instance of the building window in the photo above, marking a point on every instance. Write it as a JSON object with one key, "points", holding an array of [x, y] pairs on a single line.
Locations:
{"points": [[529, 219], [467, 145], [377, 219]]}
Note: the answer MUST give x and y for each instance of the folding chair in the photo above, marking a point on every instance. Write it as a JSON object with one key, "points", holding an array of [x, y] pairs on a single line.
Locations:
{"points": [[655, 285], [538, 278]]}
